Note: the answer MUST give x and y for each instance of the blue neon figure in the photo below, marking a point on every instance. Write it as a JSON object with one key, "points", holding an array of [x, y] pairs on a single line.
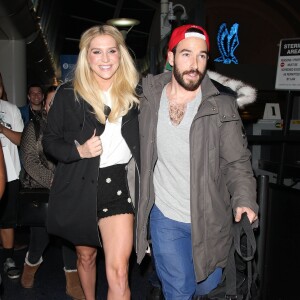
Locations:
{"points": [[227, 43]]}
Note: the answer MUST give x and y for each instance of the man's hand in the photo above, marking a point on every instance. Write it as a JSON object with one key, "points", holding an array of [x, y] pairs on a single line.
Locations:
{"points": [[91, 148], [250, 213]]}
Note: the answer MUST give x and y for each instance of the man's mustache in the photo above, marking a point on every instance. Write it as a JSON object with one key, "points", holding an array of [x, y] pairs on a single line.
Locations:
{"points": [[192, 72]]}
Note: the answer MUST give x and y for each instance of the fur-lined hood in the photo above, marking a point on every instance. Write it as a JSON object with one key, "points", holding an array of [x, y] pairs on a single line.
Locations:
{"points": [[246, 94]]}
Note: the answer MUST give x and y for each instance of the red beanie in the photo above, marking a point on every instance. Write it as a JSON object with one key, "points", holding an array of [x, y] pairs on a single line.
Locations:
{"points": [[180, 33]]}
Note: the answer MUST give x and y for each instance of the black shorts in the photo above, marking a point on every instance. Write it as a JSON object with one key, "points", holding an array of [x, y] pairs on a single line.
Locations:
{"points": [[113, 194], [9, 205]]}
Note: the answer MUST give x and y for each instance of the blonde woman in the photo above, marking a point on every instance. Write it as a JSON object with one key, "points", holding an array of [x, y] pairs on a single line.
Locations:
{"points": [[92, 132]]}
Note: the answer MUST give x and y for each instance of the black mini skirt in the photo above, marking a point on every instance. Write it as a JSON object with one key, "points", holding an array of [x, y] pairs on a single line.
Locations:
{"points": [[113, 195]]}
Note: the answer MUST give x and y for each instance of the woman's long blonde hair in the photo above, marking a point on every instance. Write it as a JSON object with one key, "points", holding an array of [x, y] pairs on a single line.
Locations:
{"points": [[125, 79]]}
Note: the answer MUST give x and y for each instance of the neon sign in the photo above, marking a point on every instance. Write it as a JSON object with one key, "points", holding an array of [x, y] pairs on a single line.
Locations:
{"points": [[227, 43]]}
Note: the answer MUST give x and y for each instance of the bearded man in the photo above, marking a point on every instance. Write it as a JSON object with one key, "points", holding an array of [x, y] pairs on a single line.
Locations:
{"points": [[196, 175]]}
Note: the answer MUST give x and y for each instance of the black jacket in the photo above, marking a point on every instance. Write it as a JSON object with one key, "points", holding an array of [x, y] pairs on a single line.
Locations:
{"points": [[73, 196]]}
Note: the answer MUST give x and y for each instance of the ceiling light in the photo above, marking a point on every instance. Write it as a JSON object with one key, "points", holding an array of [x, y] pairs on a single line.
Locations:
{"points": [[126, 23], [123, 22]]}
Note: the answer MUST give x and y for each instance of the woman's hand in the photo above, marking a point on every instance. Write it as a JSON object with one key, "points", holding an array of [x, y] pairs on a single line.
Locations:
{"points": [[91, 148]]}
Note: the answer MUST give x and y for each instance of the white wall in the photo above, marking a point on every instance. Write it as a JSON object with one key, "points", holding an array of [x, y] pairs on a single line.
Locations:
{"points": [[13, 70]]}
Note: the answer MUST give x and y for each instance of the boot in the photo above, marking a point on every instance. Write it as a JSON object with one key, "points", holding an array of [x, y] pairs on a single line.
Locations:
{"points": [[27, 279], [73, 285]]}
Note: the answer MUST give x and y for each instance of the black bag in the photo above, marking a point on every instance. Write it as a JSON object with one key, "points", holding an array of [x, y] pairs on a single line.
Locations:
{"points": [[32, 206], [239, 281]]}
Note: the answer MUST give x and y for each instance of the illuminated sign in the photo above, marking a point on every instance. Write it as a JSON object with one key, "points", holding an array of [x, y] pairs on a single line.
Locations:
{"points": [[227, 43]]}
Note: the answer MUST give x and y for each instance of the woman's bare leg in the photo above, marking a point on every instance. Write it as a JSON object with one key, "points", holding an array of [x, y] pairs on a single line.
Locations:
{"points": [[117, 237], [86, 267]]}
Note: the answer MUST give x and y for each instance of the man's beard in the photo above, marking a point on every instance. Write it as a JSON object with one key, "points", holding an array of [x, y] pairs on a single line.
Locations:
{"points": [[190, 85]]}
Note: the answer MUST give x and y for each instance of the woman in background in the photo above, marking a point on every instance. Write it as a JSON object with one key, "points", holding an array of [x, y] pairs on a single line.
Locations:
{"points": [[39, 172]]}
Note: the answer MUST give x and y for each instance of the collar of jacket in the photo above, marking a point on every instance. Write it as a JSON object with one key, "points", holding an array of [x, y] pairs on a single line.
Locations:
{"points": [[153, 86], [132, 113], [86, 107], [244, 93]]}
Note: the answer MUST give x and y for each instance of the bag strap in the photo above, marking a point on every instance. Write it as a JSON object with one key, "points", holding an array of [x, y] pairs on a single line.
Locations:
{"points": [[230, 274], [240, 229]]}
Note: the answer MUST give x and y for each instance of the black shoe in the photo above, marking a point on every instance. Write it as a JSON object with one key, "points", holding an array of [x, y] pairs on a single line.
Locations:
{"points": [[155, 294], [10, 269]]}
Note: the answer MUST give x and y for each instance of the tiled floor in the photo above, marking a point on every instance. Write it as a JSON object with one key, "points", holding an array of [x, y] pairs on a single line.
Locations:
{"points": [[50, 279]]}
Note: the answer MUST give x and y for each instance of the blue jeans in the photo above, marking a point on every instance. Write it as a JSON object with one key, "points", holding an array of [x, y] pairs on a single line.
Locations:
{"points": [[172, 250]]}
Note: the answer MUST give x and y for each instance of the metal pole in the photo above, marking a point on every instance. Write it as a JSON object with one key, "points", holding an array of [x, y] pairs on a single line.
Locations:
{"points": [[286, 128], [262, 246]]}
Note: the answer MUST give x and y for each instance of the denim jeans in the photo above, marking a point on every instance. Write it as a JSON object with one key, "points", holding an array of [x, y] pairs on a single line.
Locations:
{"points": [[172, 250]]}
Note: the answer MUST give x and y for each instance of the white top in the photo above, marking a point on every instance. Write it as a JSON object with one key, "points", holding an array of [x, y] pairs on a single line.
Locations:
{"points": [[10, 117], [115, 149]]}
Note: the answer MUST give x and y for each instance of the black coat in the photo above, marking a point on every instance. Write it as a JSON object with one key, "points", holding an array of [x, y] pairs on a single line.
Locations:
{"points": [[72, 212]]}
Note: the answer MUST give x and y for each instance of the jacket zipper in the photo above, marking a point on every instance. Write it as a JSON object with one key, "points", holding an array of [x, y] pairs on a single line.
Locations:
{"points": [[205, 175]]}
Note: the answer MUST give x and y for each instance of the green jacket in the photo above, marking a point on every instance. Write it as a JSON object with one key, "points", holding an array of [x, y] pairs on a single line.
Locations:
{"points": [[221, 173]]}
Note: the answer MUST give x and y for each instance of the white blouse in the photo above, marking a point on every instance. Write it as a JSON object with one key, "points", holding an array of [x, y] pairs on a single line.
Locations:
{"points": [[115, 149]]}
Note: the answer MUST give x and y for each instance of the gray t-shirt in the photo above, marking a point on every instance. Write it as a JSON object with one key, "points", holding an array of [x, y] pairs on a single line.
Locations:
{"points": [[172, 170]]}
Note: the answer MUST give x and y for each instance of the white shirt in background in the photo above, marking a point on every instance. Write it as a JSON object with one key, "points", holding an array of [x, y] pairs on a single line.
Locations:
{"points": [[10, 117]]}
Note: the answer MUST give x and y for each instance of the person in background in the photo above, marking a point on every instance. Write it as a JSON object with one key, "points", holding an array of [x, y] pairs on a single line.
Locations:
{"points": [[3, 96], [92, 132], [196, 174], [39, 172], [11, 127], [34, 107], [2, 188]]}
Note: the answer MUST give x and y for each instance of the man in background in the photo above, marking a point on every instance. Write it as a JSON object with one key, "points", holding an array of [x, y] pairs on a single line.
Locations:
{"points": [[11, 127], [35, 95]]}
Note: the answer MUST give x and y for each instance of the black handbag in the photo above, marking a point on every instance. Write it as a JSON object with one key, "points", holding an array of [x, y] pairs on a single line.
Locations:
{"points": [[239, 281], [32, 206]]}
